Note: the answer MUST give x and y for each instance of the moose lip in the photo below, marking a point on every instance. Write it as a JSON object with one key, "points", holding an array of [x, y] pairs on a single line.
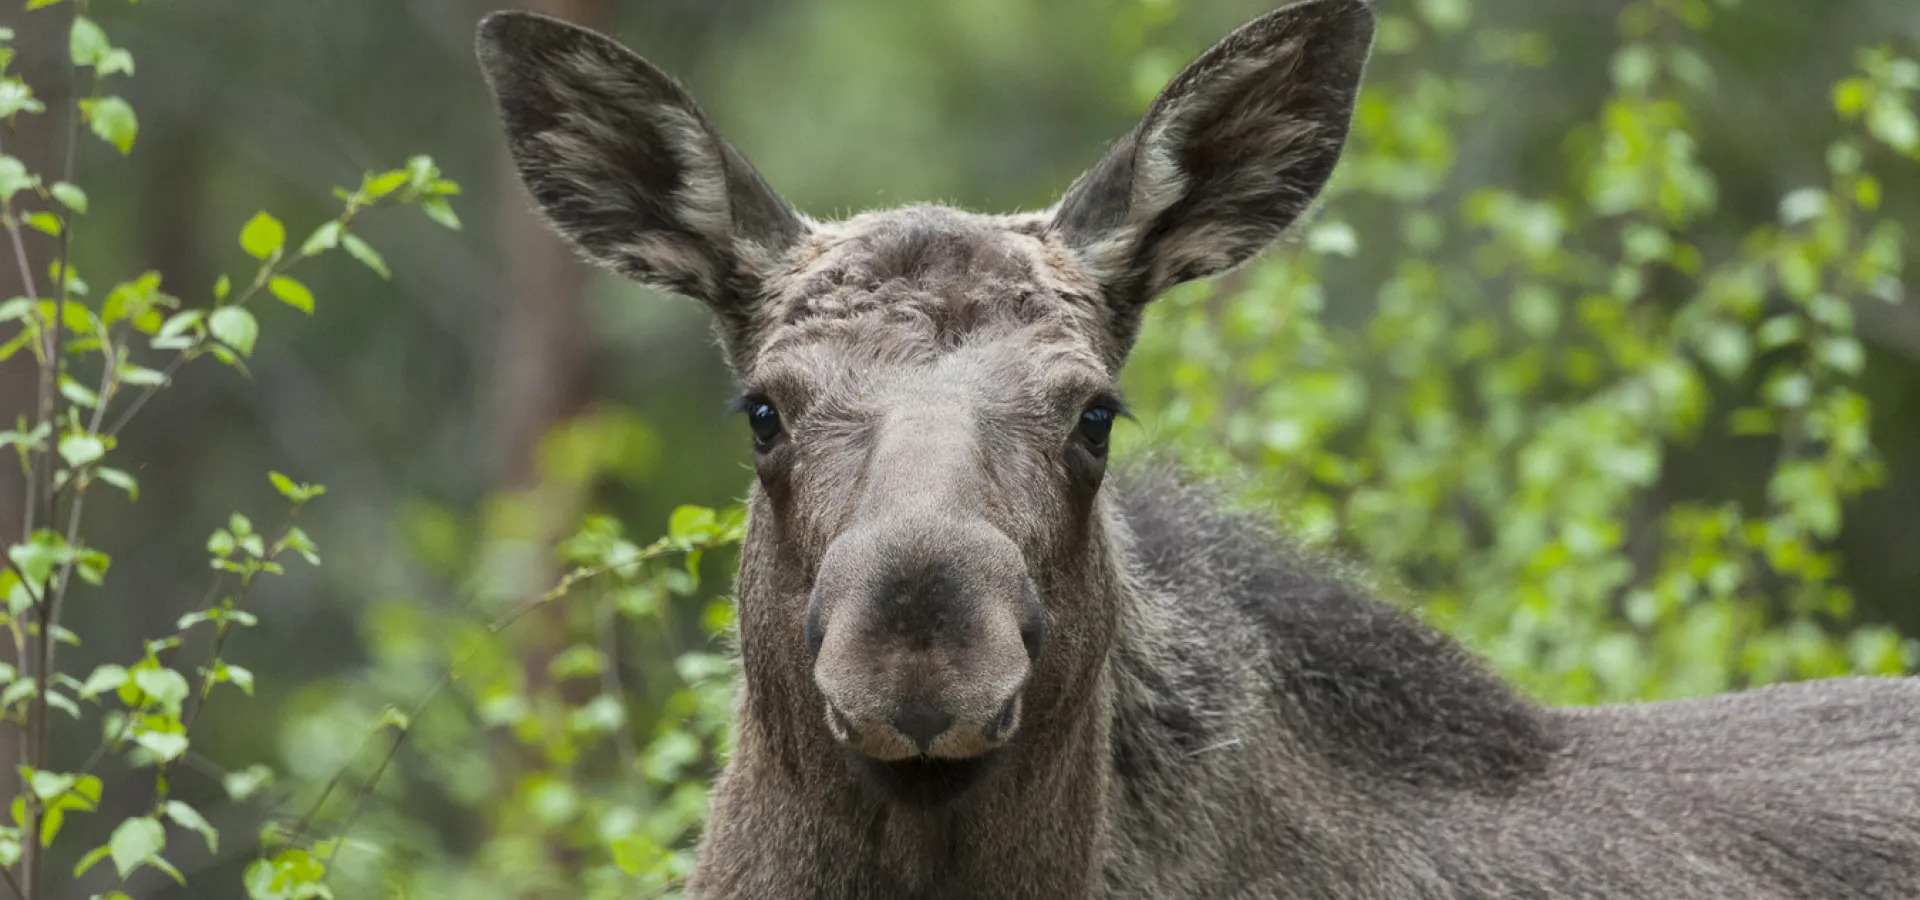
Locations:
{"points": [[925, 781]]}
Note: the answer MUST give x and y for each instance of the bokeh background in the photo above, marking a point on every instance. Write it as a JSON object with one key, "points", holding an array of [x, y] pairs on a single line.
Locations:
{"points": [[1519, 371]]}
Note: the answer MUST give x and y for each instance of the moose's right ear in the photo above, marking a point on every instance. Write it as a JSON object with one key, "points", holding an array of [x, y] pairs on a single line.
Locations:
{"points": [[626, 166]]}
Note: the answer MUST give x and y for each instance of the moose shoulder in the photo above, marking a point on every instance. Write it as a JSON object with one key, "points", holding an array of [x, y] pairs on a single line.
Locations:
{"points": [[976, 666]]}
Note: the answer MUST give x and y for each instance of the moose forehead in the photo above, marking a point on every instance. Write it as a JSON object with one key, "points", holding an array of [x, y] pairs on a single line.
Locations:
{"points": [[908, 287]]}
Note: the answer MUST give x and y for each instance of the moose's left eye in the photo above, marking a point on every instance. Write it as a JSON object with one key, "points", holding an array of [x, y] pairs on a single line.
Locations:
{"points": [[765, 422], [1096, 425]]}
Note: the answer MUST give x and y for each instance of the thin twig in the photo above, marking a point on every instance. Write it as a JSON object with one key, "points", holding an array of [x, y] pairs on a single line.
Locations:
{"points": [[166, 376], [39, 348], [126, 722], [567, 582], [610, 685], [306, 820], [51, 400]]}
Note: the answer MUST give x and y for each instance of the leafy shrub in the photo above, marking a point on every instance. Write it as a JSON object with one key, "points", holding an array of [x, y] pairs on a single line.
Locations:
{"points": [[101, 356], [1515, 426]]}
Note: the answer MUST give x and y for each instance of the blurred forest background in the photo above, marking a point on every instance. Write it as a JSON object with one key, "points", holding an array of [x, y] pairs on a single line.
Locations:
{"points": [[1596, 356]]}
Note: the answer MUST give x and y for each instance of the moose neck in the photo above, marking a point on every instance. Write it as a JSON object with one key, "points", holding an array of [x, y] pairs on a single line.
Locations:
{"points": [[1032, 826]]}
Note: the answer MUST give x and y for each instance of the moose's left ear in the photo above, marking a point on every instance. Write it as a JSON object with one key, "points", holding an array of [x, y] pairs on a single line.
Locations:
{"points": [[1231, 153]]}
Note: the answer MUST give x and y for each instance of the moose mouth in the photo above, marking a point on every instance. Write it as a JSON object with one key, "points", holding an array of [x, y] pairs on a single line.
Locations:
{"points": [[925, 781]]}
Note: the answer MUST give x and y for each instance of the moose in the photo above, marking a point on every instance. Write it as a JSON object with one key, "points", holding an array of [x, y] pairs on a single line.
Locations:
{"points": [[976, 664]]}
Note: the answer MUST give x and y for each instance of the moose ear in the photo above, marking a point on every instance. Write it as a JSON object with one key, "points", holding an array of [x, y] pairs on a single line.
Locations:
{"points": [[626, 166], [1230, 154]]}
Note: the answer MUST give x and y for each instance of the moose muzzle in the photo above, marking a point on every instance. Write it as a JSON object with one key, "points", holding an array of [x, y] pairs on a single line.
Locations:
{"points": [[924, 633]]}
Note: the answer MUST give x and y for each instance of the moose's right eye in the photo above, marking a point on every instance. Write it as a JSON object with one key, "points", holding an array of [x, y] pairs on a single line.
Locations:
{"points": [[765, 422]]}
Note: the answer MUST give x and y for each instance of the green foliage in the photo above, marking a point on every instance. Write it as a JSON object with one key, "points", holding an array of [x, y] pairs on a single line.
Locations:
{"points": [[1518, 438], [100, 361], [1521, 425], [585, 789]]}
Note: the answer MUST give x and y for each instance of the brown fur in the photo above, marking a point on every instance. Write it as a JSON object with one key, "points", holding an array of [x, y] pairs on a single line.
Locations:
{"points": [[976, 666]]}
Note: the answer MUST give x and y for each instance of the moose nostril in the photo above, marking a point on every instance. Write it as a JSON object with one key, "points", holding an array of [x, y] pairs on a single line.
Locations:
{"points": [[1033, 633], [921, 723], [1003, 724], [842, 728]]}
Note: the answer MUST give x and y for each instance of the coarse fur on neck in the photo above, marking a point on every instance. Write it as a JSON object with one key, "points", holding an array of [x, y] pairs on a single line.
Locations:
{"points": [[1366, 700]]}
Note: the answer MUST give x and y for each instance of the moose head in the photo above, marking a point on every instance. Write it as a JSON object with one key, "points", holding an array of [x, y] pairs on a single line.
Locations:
{"points": [[930, 570]]}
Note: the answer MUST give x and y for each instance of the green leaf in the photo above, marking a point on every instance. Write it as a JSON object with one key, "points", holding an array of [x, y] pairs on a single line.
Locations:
{"points": [[1337, 238], [43, 221], [298, 540], [48, 785], [384, 184], [105, 678], [173, 873], [135, 842], [18, 691], [39, 555], [14, 177], [168, 745], [164, 686], [691, 523], [421, 173], [1894, 123], [292, 293], [235, 327], [246, 782], [262, 235], [1850, 96], [187, 817], [74, 284], [70, 195], [1802, 205], [365, 254], [17, 97], [439, 210], [392, 716], [66, 705], [324, 238], [80, 448], [116, 61], [90, 860], [86, 43], [113, 120], [141, 376]]}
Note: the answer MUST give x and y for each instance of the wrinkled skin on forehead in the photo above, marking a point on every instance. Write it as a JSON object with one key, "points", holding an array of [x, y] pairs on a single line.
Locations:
{"points": [[968, 325]]}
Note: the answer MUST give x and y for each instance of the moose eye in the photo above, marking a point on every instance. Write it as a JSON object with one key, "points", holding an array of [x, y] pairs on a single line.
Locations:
{"points": [[1096, 424], [765, 422]]}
